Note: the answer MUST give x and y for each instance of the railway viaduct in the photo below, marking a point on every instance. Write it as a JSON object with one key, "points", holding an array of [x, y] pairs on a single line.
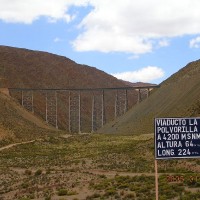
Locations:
{"points": [[73, 106]]}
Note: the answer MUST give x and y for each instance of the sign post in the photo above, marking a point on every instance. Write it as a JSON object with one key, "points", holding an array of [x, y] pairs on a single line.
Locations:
{"points": [[156, 178], [176, 138]]}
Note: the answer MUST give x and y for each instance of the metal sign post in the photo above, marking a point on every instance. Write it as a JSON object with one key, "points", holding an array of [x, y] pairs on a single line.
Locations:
{"points": [[156, 178], [176, 138]]}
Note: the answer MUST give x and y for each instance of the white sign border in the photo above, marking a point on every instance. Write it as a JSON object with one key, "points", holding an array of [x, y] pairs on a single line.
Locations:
{"points": [[168, 158]]}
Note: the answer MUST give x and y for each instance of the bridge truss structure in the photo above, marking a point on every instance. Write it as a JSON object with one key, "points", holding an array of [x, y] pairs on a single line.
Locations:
{"points": [[100, 101]]}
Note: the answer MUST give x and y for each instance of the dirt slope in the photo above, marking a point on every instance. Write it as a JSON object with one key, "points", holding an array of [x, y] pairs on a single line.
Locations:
{"points": [[17, 124], [178, 96]]}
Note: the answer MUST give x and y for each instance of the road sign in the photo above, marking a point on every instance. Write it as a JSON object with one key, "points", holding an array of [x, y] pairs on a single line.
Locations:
{"points": [[177, 138]]}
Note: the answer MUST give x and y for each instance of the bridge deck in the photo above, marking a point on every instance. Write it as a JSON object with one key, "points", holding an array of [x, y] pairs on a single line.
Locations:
{"points": [[85, 89]]}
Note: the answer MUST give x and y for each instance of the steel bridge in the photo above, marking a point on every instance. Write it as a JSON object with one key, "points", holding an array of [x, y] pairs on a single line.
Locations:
{"points": [[71, 104]]}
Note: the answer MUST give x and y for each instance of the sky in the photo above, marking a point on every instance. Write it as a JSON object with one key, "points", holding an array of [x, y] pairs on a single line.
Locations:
{"points": [[137, 41]]}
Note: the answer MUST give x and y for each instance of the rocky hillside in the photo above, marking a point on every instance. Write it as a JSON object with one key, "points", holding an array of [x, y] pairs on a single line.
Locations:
{"points": [[34, 69], [178, 96]]}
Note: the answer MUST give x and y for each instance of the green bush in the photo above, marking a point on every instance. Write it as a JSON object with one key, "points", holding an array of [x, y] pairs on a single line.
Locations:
{"points": [[28, 172], [62, 192], [38, 172], [110, 192]]}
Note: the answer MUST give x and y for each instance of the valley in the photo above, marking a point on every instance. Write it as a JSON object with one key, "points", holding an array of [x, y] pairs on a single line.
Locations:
{"points": [[41, 162]]}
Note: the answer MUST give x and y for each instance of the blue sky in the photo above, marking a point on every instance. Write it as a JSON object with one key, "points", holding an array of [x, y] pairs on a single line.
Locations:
{"points": [[146, 40]]}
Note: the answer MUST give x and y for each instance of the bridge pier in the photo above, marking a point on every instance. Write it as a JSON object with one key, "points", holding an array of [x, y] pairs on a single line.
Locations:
{"points": [[102, 115], [74, 112], [69, 106], [52, 108], [148, 92], [121, 102], [98, 110], [27, 100], [139, 96], [79, 109], [93, 104], [126, 102]]}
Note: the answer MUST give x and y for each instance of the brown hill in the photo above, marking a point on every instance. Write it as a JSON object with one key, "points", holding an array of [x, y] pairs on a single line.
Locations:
{"points": [[34, 69], [22, 68], [178, 96]]}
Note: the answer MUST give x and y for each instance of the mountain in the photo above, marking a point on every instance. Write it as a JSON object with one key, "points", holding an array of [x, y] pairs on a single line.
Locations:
{"points": [[178, 96], [22, 68], [138, 84]]}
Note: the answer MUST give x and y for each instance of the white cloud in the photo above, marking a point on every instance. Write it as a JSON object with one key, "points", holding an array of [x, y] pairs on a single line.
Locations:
{"points": [[163, 43], [57, 39], [146, 74], [136, 27], [27, 11], [105, 41], [195, 43], [130, 26]]}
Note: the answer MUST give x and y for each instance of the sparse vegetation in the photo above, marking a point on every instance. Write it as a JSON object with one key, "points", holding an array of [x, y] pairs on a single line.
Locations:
{"points": [[118, 167]]}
